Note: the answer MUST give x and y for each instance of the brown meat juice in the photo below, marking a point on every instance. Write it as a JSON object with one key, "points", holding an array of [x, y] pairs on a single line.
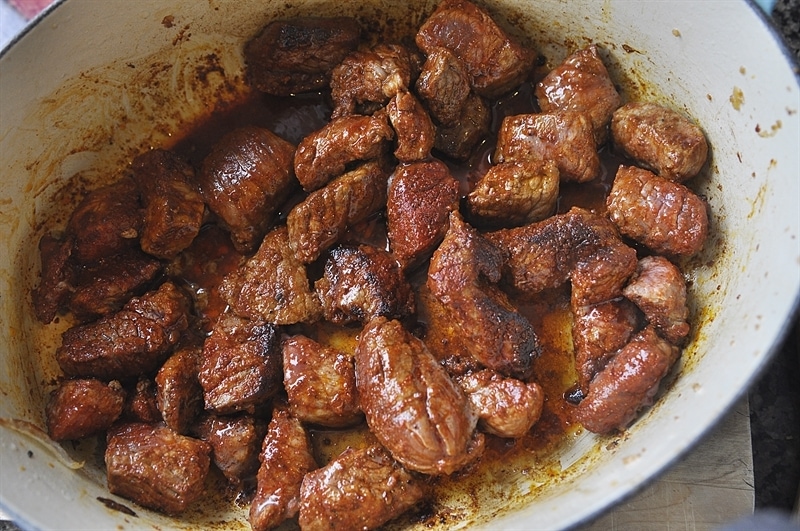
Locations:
{"points": [[532, 457]]}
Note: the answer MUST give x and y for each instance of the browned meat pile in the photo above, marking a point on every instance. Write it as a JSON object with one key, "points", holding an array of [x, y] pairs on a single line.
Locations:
{"points": [[207, 295]]}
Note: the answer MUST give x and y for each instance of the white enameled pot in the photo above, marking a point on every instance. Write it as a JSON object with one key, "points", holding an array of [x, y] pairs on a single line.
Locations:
{"points": [[90, 84]]}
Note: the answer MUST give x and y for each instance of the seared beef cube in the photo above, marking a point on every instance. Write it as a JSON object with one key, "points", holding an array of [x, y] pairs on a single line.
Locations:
{"points": [[83, 407], [325, 153], [57, 277], [495, 62], [235, 443], [107, 221], [156, 467], [659, 289], [173, 208], [142, 403], [506, 407], [136, 340], [564, 137], [285, 459], [241, 365], [665, 216], [460, 140], [463, 274], [412, 406], [444, 85], [324, 216], [297, 55], [361, 283], [628, 383], [103, 288], [660, 138], [415, 131], [360, 489], [515, 193], [245, 179], [581, 83], [272, 285], [179, 394], [420, 198], [370, 76], [320, 383]]}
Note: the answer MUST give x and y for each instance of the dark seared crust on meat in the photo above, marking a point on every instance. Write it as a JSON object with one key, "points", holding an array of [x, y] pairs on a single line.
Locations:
{"points": [[82, 407], [458, 141], [57, 277], [660, 138], [444, 86], [297, 55], [235, 443], [462, 276], [412, 406], [360, 489], [178, 391], [134, 341], [245, 179], [322, 218], [325, 153], [241, 365], [173, 207], [272, 285], [156, 467], [581, 83], [629, 382], [421, 196], [413, 127], [361, 283], [285, 460], [141, 404], [565, 137], [665, 216], [495, 62]]}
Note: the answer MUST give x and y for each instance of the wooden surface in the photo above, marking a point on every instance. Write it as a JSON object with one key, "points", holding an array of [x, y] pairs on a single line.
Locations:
{"points": [[712, 486]]}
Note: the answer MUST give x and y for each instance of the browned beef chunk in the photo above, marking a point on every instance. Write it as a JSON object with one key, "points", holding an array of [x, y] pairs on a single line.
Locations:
{"points": [[285, 459], [462, 276], [142, 403], [370, 76], [460, 140], [324, 216], [235, 443], [320, 382], [506, 407], [173, 208], [107, 221], [104, 287], [83, 407], [272, 285], [57, 277], [598, 331], [564, 137], [661, 139], [581, 83], [325, 154], [415, 131], [136, 340], [155, 467], [361, 283], [665, 216], [444, 86], [297, 55], [578, 246], [515, 193], [628, 383], [245, 179], [495, 62], [179, 394], [360, 489], [420, 198], [412, 406], [241, 365], [659, 289]]}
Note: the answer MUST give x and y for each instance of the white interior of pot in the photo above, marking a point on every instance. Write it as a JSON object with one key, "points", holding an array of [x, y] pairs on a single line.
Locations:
{"points": [[93, 83]]}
